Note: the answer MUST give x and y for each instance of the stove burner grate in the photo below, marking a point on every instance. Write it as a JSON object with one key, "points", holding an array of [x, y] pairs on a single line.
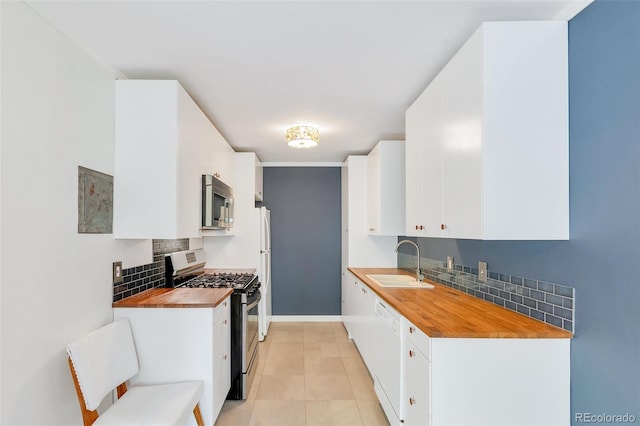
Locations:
{"points": [[237, 281]]}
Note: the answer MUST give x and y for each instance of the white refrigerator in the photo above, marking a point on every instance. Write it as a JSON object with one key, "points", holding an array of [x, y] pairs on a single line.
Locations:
{"points": [[264, 273]]}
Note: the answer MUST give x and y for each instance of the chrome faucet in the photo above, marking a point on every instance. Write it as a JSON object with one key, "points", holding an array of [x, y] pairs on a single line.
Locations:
{"points": [[419, 276]]}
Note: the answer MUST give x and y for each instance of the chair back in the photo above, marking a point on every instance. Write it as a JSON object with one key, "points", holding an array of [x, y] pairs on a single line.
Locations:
{"points": [[103, 359]]}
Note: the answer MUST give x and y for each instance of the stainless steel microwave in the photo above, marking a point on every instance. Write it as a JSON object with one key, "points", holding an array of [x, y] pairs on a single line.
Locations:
{"points": [[217, 203]]}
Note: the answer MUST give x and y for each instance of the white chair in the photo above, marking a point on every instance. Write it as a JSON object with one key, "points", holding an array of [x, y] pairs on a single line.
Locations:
{"points": [[104, 360]]}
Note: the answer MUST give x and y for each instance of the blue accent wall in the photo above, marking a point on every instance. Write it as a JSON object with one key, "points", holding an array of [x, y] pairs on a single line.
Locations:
{"points": [[602, 258], [305, 239]]}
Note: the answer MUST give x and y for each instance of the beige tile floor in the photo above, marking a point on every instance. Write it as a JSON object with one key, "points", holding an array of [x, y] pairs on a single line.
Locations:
{"points": [[309, 374]]}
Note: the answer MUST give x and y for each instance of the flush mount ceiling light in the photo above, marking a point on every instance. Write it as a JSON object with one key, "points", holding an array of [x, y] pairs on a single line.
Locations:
{"points": [[302, 137]]}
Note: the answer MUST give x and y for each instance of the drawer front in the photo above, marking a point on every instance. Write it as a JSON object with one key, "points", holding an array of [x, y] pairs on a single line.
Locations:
{"points": [[414, 335], [417, 366]]}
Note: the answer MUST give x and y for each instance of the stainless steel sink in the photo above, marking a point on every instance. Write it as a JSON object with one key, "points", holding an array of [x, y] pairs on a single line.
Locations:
{"points": [[398, 281]]}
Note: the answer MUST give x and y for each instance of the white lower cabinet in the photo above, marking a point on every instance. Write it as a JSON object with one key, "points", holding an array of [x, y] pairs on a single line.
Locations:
{"points": [[178, 344], [485, 381], [362, 319], [417, 376], [447, 381]]}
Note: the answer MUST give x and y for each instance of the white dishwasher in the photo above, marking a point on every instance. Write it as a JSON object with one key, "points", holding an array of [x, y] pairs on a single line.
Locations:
{"points": [[387, 349]]}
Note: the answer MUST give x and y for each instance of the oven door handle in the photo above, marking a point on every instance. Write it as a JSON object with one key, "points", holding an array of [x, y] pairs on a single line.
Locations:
{"points": [[254, 304]]}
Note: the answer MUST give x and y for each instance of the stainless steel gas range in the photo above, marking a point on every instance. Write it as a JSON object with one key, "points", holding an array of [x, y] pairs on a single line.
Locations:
{"points": [[186, 269]]}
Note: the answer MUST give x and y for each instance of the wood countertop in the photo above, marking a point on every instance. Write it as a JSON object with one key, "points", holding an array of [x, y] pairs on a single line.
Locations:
{"points": [[176, 298], [446, 312]]}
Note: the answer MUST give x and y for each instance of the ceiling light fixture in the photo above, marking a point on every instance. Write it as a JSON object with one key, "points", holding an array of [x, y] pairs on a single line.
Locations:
{"points": [[302, 137]]}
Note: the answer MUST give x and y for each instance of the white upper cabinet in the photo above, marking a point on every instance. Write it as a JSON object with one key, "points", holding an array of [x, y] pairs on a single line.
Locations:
{"points": [[487, 142], [259, 181], [385, 189], [219, 158], [163, 146], [423, 163]]}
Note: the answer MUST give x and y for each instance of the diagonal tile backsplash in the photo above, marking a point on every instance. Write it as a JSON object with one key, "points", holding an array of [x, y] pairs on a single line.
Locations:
{"points": [[547, 302]]}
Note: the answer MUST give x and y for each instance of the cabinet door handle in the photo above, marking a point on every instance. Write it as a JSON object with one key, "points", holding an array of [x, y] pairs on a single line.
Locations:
{"points": [[224, 304], [224, 322], [412, 401], [443, 226], [411, 355], [224, 357], [412, 330], [371, 229], [417, 227]]}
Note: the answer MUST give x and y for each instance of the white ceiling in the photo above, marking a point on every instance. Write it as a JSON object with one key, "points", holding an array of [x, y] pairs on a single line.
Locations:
{"points": [[256, 67]]}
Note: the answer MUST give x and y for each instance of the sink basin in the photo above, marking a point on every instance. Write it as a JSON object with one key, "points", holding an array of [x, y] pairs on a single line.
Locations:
{"points": [[398, 281]]}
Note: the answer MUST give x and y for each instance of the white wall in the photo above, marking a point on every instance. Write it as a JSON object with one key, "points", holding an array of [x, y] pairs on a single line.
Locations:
{"points": [[57, 113]]}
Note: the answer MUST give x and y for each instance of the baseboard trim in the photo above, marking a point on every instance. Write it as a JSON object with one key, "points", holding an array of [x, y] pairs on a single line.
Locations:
{"points": [[306, 318]]}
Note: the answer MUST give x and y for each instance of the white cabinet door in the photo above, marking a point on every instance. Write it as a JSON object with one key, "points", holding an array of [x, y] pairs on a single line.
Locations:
{"points": [[220, 157], [190, 150], [462, 142], [385, 188], [417, 375], [222, 355], [500, 118], [416, 118], [417, 384], [259, 181], [424, 163], [374, 188], [349, 288], [431, 160], [362, 318], [162, 147]]}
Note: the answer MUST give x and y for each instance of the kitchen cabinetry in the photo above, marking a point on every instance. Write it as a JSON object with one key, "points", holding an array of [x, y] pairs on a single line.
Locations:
{"points": [[164, 143], [177, 344], [259, 187], [487, 141], [438, 376], [515, 379], [385, 188], [219, 157], [221, 355], [360, 317], [243, 249], [423, 163], [358, 247], [417, 376]]}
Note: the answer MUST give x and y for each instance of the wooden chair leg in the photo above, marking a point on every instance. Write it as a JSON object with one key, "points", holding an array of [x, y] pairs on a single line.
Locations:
{"points": [[122, 388], [196, 412], [88, 416]]}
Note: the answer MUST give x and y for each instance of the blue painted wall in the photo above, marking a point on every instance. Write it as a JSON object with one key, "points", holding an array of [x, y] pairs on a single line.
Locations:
{"points": [[602, 259], [305, 224]]}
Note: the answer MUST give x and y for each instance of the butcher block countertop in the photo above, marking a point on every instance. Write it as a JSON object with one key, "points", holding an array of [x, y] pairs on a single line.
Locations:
{"points": [[176, 298], [445, 312]]}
